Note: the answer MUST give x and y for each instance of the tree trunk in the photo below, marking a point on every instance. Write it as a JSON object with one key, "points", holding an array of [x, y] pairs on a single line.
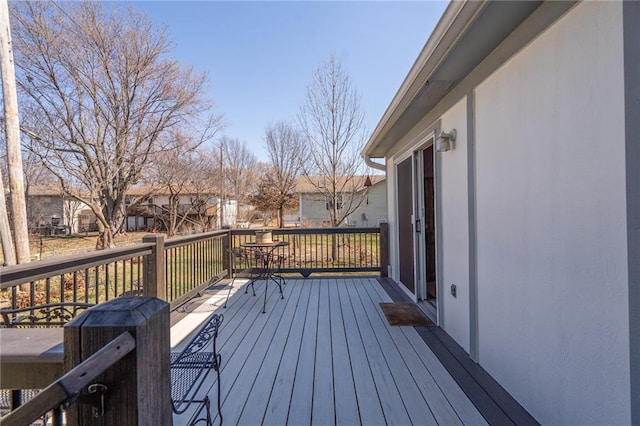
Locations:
{"points": [[105, 237], [281, 217], [12, 129]]}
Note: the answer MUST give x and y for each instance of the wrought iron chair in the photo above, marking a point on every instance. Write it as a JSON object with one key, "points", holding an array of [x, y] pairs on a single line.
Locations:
{"points": [[254, 264], [189, 369], [244, 264]]}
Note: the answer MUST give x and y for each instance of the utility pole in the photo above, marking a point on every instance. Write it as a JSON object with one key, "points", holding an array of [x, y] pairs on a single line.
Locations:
{"points": [[12, 131], [8, 253], [222, 180]]}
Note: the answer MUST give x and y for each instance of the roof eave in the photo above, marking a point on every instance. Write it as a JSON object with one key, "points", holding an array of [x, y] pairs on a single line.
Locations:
{"points": [[451, 26]]}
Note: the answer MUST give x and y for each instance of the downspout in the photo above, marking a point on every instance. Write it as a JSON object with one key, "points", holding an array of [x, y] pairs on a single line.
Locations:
{"points": [[369, 162]]}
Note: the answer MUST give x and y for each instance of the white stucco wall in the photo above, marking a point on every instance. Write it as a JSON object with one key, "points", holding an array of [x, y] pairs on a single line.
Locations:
{"points": [[455, 227], [551, 224]]}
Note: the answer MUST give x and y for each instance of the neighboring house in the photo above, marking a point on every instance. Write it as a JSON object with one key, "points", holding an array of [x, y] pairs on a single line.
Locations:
{"points": [[314, 207], [197, 209], [49, 212], [525, 235]]}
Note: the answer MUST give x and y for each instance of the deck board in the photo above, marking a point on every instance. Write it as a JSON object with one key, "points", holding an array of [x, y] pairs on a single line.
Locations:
{"points": [[325, 355], [346, 404], [323, 412], [278, 405], [414, 401], [366, 392], [447, 401], [258, 400], [391, 401], [301, 407]]}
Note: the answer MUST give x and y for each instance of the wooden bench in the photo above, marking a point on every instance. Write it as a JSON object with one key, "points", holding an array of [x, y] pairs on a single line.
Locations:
{"points": [[189, 369]]}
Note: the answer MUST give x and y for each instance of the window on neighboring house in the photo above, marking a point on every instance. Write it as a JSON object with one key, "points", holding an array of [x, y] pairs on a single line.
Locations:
{"points": [[329, 203], [150, 201]]}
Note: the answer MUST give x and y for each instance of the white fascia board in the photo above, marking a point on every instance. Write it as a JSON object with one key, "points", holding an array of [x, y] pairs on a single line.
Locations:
{"points": [[452, 24]]}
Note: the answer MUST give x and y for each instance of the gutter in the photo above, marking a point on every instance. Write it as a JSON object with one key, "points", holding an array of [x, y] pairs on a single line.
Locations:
{"points": [[369, 162]]}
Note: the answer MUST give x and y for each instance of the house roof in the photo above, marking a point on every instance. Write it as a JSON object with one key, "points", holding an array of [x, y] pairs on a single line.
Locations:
{"points": [[187, 189], [56, 190], [49, 190], [466, 33], [309, 184], [44, 190]]}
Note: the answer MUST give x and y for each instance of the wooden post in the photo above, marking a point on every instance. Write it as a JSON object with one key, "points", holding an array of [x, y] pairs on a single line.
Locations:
{"points": [[384, 249], [154, 279], [226, 255], [138, 386]]}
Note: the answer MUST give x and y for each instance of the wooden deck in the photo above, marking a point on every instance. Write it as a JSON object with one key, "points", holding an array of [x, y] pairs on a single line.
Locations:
{"points": [[325, 355]]}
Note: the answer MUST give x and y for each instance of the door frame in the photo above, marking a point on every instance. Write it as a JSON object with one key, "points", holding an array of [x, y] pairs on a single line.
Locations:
{"points": [[415, 151], [397, 160]]}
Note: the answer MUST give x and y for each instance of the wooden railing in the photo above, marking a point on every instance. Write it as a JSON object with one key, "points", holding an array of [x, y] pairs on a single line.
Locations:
{"points": [[69, 386], [90, 278], [336, 250], [192, 263], [117, 355], [175, 269]]}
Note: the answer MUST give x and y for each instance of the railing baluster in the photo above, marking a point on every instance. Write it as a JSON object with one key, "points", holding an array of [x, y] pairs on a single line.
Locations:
{"points": [[75, 286], [86, 285], [106, 281], [97, 282], [115, 279], [139, 282]]}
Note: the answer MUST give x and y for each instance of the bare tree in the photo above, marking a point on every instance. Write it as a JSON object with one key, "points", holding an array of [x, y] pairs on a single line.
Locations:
{"points": [[181, 173], [286, 150], [239, 164], [106, 96], [71, 209], [332, 121], [235, 171]]}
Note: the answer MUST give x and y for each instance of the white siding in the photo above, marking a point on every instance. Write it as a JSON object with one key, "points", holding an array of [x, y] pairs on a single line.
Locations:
{"points": [[551, 224], [375, 209], [313, 210], [455, 228]]}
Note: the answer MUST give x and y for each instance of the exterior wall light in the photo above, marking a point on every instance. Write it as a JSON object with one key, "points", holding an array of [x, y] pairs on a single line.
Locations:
{"points": [[445, 141]]}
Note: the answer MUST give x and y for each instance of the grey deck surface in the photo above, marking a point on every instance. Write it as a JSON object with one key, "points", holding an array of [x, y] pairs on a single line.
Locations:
{"points": [[325, 355]]}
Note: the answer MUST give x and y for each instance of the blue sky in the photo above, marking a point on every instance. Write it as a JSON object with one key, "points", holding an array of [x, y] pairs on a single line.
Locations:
{"points": [[261, 56]]}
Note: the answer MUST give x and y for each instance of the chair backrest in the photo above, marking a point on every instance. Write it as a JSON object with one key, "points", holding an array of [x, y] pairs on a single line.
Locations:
{"points": [[48, 315]]}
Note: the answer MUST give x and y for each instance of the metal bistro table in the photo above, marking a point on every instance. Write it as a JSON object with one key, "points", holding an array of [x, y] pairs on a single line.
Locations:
{"points": [[266, 252]]}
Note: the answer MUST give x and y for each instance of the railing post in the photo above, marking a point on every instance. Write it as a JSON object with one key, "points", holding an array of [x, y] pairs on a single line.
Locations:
{"points": [[226, 255], [139, 385], [154, 279], [384, 249]]}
